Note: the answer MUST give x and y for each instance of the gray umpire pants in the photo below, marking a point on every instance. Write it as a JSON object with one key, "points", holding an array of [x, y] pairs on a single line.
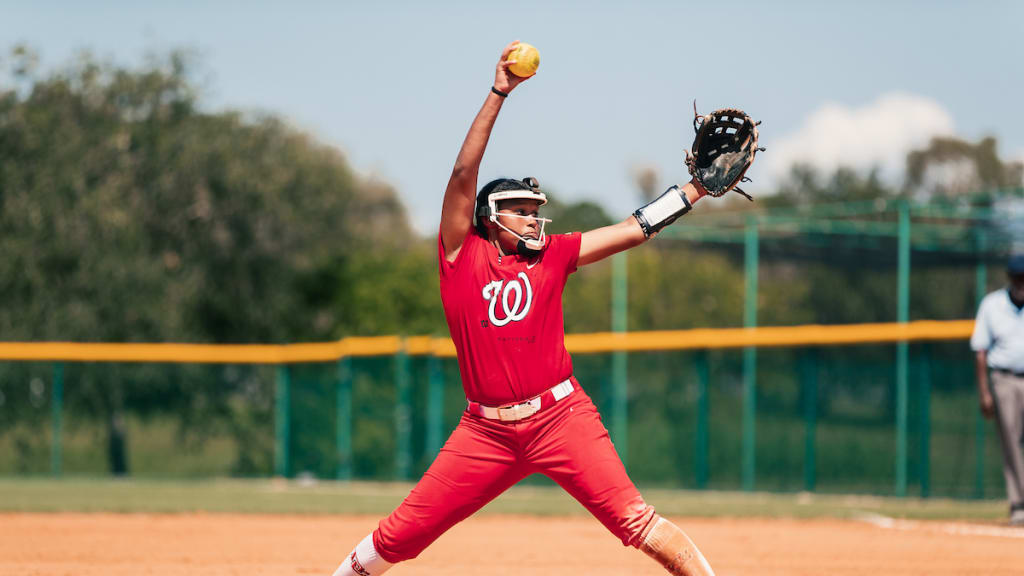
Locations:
{"points": [[1008, 391]]}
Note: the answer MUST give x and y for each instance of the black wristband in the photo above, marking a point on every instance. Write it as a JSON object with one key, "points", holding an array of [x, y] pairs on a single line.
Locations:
{"points": [[499, 92]]}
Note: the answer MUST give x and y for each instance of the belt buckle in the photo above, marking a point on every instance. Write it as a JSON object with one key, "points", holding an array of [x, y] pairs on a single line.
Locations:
{"points": [[517, 412]]}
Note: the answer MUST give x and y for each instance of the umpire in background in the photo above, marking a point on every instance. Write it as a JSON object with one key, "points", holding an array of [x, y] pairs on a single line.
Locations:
{"points": [[998, 343]]}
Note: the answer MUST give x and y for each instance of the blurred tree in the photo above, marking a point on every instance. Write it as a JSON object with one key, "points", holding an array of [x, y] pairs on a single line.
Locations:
{"points": [[573, 216], [130, 214], [951, 168], [646, 179], [806, 185]]}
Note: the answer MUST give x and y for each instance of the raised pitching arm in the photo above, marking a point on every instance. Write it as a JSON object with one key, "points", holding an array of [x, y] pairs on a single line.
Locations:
{"points": [[460, 196]]}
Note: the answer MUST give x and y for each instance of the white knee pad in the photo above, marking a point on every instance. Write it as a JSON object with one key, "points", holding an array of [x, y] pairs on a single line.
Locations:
{"points": [[363, 561]]}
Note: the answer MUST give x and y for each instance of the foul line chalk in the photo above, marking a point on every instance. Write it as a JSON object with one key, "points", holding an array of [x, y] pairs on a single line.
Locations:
{"points": [[954, 528]]}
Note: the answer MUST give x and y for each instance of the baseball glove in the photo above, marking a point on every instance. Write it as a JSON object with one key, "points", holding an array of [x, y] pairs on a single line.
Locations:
{"points": [[723, 150]]}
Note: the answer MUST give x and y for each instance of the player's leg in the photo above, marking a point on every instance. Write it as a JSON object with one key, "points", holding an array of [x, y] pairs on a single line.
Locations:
{"points": [[1009, 399], [673, 549], [363, 561], [476, 464], [1017, 507], [574, 449]]}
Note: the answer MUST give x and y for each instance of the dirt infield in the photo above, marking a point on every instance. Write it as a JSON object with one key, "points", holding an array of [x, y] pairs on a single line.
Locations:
{"points": [[221, 545]]}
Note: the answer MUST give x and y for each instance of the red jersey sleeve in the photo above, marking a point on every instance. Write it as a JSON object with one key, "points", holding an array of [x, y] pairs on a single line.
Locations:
{"points": [[468, 244], [565, 250]]}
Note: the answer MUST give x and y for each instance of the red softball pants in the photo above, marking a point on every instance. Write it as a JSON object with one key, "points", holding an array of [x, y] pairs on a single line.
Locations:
{"points": [[566, 442]]}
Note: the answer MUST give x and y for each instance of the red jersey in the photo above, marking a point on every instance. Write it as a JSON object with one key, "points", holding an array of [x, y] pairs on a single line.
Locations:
{"points": [[506, 318]]}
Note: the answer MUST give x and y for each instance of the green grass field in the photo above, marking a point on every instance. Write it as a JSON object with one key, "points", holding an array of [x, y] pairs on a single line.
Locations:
{"points": [[296, 497]]}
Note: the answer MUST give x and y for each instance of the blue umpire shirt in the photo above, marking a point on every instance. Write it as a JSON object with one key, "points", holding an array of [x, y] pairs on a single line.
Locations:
{"points": [[999, 330]]}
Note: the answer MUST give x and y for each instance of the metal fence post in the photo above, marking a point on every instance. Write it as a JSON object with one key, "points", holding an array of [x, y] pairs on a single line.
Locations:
{"points": [[809, 381], [701, 448], [980, 289], [57, 413], [924, 390], [620, 368], [903, 313], [343, 427], [750, 262], [435, 406], [282, 421], [403, 414]]}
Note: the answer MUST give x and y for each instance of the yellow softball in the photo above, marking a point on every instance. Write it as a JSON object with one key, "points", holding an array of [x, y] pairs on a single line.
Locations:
{"points": [[527, 60]]}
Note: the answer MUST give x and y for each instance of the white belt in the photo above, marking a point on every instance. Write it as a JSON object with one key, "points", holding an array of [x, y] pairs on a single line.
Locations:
{"points": [[525, 409]]}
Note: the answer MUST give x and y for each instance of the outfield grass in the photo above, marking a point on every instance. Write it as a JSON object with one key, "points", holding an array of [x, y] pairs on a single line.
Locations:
{"points": [[296, 497]]}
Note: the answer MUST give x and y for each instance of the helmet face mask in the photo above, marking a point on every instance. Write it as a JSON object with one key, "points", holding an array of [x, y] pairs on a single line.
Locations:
{"points": [[526, 189], [526, 246]]}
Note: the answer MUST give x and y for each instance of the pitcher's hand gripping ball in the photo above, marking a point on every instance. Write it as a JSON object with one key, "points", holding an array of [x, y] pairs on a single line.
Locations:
{"points": [[724, 148], [527, 60]]}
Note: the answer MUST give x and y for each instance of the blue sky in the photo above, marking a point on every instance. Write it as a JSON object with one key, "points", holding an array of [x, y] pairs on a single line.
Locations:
{"points": [[395, 85]]}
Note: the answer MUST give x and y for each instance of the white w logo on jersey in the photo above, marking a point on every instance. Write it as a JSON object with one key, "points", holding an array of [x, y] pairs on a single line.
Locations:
{"points": [[511, 299]]}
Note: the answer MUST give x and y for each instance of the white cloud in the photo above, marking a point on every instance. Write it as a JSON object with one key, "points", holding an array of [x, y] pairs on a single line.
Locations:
{"points": [[878, 134]]}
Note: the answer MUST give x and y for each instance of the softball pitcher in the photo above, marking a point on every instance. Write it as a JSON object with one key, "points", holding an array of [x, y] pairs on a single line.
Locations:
{"points": [[501, 287]]}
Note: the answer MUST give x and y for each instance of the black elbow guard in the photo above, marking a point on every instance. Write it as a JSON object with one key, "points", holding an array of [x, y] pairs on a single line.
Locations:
{"points": [[663, 211]]}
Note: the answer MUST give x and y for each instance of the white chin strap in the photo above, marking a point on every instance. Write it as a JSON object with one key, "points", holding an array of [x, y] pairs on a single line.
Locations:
{"points": [[530, 243]]}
